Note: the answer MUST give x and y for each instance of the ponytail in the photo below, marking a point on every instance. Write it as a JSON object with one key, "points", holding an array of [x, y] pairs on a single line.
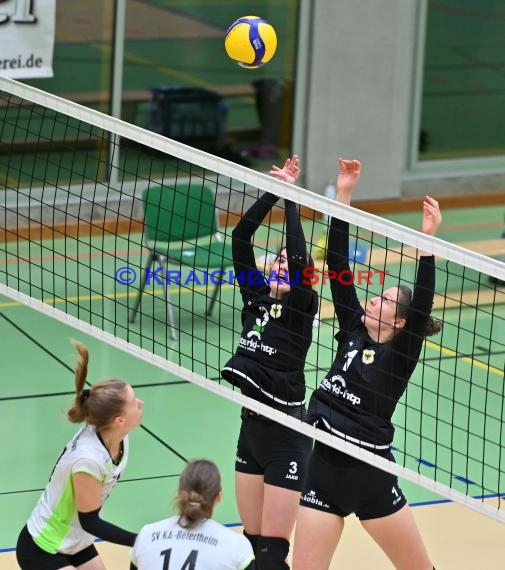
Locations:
{"points": [[77, 412], [192, 508], [433, 327], [100, 404], [199, 487]]}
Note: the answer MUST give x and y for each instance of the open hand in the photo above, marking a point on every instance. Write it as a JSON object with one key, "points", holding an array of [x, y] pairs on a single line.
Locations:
{"points": [[431, 216], [289, 172]]}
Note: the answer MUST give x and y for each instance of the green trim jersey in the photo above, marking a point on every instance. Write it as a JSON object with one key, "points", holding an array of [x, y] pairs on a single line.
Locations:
{"points": [[206, 546], [54, 522]]}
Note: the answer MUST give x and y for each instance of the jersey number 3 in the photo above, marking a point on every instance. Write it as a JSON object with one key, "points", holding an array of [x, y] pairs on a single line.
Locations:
{"points": [[189, 563]]}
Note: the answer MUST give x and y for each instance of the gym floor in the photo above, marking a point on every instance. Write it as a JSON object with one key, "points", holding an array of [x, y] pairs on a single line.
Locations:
{"points": [[183, 421]]}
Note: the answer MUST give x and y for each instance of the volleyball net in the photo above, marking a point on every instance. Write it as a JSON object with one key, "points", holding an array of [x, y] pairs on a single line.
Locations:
{"points": [[125, 235]]}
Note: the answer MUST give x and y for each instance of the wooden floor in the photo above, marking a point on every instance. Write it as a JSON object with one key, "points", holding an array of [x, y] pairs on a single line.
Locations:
{"points": [[457, 539]]}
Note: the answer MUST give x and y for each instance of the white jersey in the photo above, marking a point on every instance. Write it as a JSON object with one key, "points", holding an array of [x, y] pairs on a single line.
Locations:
{"points": [[54, 523], [207, 546]]}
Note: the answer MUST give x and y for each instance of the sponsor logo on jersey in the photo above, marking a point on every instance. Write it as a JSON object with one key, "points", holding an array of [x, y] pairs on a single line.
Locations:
{"points": [[252, 340], [312, 498], [337, 386], [253, 345]]}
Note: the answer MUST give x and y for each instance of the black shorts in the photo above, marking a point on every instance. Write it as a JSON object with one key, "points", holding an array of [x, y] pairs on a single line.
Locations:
{"points": [[339, 484], [275, 451], [31, 557]]}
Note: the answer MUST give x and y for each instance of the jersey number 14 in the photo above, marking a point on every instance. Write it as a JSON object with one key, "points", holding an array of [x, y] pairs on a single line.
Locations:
{"points": [[189, 563]]}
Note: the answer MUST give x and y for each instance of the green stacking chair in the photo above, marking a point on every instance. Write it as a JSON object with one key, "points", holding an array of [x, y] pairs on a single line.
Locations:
{"points": [[181, 227]]}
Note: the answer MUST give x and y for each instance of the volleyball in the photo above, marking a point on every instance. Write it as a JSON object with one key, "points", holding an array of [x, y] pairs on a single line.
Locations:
{"points": [[251, 41]]}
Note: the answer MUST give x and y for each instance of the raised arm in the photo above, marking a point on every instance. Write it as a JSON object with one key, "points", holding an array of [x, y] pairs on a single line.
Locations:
{"points": [[410, 338], [301, 294], [345, 300], [296, 247], [242, 248], [244, 261]]}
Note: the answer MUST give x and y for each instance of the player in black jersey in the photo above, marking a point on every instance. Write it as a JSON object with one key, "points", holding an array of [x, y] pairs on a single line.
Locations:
{"points": [[378, 349], [277, 321]]}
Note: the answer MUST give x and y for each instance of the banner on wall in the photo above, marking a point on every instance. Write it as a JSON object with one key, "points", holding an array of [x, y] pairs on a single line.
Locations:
{"points": [[27, 38]]}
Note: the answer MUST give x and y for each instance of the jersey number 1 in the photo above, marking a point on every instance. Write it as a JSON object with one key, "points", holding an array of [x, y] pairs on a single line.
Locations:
{"points": [[350, 355], [189, 564]]}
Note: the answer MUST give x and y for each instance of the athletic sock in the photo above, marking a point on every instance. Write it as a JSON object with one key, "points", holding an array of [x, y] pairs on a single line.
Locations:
{"points": [[272, 553], [253, 539]]}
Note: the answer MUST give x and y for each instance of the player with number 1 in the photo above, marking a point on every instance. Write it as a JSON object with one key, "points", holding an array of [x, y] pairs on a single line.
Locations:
{"points": [[378, 350]]}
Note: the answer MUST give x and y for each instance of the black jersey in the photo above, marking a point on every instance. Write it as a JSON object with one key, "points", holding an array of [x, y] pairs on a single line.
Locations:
{"points": [[276, 333], [358, 396]]}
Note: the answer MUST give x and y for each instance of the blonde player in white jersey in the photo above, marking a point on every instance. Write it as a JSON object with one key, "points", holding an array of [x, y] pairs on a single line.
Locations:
{"points": [[61, 530], [191, 539]]}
